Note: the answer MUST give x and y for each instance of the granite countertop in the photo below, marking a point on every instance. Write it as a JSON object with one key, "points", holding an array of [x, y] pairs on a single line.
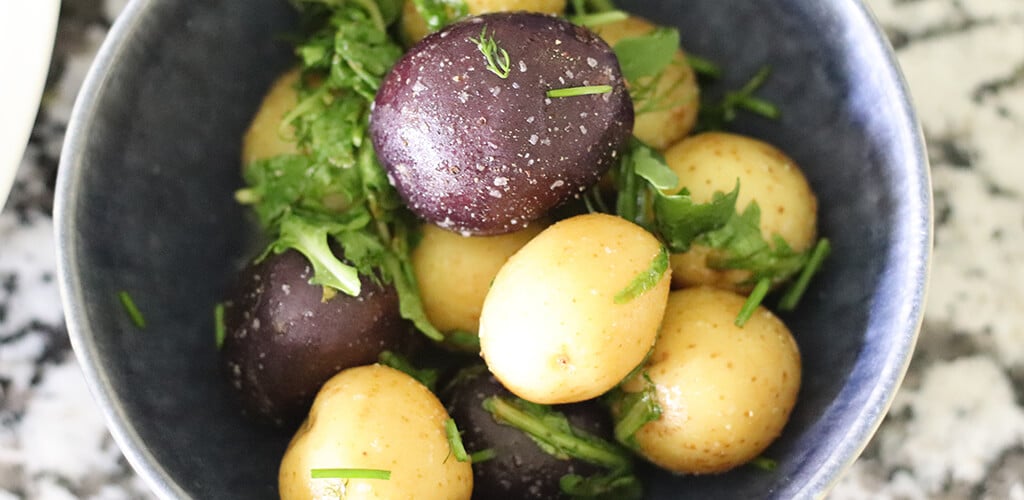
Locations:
{"points": [[956, 429]]}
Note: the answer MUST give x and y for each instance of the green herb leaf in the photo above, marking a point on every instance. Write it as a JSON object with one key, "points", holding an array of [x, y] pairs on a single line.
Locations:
{"points": [[578, 91], [350, 474], [482, 456], [646, 280], [311, 240], [599, 18], [455, 440], [133, 311], [440, 13], [425, 376], [680, 220], [650, 165], [552, 430], [703, 66], [741, 246], [715, 116], [615, 485], [219, 330], [764, 463], [464, 340], [635, 410], [647, 55], [498, 61], [792, 297], [753, 300]]}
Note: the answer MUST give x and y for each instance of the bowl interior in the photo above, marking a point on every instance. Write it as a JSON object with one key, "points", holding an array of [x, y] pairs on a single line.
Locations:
{"points": [[145, 205]]}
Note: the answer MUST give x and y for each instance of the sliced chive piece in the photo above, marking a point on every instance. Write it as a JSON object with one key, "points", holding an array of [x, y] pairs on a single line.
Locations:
{"points": [[703, 66], [455, 440], [482, 455], [133, 311], [753, 300], [599, 19], [578, 91], [350, 474], [796, 291], [219, 330], [764, 463]]}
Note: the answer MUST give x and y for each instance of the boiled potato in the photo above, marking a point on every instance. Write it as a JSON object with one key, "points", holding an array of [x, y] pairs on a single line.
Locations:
{"points": [[263, 139], [551, 329], [454, 273], [670, 111], [713, 161], [374, 417], [414, 28], [725, 392]]}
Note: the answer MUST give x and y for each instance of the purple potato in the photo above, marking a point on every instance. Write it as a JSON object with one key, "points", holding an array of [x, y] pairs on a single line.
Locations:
{"points": [[520, 468], [283, 341], [476, 153]]}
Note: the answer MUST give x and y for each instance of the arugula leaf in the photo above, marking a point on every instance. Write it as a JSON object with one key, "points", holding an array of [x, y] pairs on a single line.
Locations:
{"points": [[310, 239], [425, 376], [615, 485], [743, 247], [647, 55], [680, 220], [650, 165], [715, 116], [635, 410]]}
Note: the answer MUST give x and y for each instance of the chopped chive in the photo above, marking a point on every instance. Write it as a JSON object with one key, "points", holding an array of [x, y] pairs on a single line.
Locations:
{"points": [[219, 330], [703, 66], [753, 300], [599, 19], [349, 474], [455, 440], [764, 463], [578, 91], [792, 297], [482, 455], [132, 309], [759, 106]]}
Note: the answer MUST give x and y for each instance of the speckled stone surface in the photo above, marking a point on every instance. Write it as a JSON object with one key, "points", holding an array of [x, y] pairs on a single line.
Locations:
{"points": [[956, 429]]}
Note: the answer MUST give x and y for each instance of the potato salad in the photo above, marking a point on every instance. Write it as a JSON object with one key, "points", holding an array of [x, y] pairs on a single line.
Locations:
{"points": [[514, 253]]}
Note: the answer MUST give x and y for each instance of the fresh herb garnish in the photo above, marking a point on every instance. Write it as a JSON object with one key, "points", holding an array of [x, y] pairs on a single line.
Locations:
{"points": [[498, 61], [796, 291], [647, 279], [578, 91], [133, 311], [764, 463], [219, 330], [335, 192], [615, 485], [635, 410], [704, 67], [350, 474], [424, 376], [599, 18], [455, 440], [715, 116], [754, 299], [440, 13], [464, 340], [482, 455], [647, 55], [581, 7], [553, 433]]}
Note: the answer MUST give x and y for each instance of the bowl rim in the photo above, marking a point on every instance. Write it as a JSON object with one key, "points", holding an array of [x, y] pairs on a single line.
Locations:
{"points": [[916, 235]]}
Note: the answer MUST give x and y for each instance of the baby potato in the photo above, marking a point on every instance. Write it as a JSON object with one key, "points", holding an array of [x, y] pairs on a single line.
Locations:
{"points": [[725, 392], [454, 272], [552, 330], [263, 138], [374, 417], [713, 161], [668, 112], [414, 28]]}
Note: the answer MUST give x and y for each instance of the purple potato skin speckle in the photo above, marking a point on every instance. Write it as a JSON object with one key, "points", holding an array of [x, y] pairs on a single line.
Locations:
{"points": [[283, 341], [478, 154], [520, 469]]}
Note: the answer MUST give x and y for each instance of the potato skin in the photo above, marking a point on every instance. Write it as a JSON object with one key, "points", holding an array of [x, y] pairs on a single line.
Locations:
{"points": [[454, 272], [283, 340], [263, 138], [713, 161], [655, 124], [725, 392], [520, 469], [479, 154], [375, 417], [551, 330], [414, 28]]}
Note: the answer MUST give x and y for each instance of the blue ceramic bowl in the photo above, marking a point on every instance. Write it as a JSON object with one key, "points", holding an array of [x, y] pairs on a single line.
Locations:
{"points": [[152, 158]]}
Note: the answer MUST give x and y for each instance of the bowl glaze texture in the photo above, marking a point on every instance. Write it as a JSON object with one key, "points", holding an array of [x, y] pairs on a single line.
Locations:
{"points": [[152, 159]]}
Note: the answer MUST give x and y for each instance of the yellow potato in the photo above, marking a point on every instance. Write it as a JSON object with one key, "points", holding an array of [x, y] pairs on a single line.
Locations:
{"points": [[454, 273], [725, 392], [670, 110], [551, 329], [374, 417], [414, 28], [263, 138], [711, 162]]}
